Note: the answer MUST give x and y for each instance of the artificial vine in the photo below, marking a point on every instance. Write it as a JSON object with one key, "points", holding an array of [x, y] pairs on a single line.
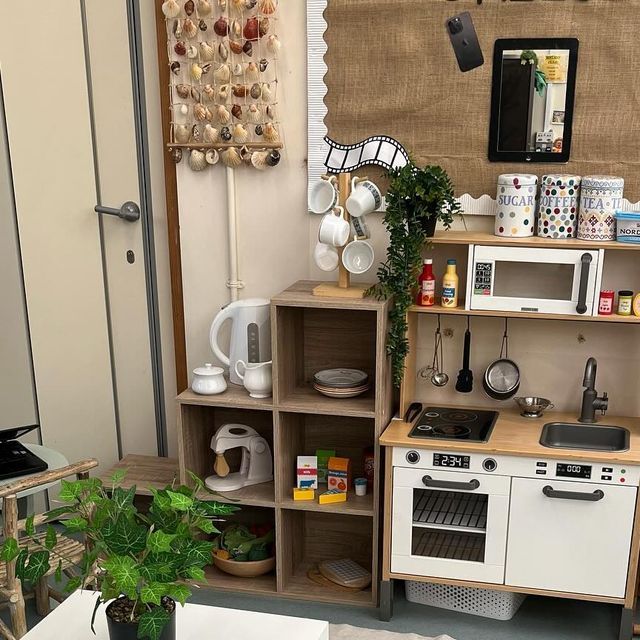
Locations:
{"points": [[414, 198]]}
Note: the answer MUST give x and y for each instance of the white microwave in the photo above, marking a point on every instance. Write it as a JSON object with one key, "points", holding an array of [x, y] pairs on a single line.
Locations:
{"points": [[563, 281]]}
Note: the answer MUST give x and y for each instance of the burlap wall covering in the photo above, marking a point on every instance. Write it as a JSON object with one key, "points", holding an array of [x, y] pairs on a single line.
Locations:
{"points": [[392, 71]]}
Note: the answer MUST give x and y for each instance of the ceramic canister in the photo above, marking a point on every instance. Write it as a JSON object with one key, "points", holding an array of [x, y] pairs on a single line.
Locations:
{"points": [[558, 206], [516, 205], [600, 197]]}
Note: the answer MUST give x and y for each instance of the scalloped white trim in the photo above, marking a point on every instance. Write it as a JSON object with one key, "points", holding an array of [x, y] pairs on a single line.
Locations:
{"points": [[317, 148]]}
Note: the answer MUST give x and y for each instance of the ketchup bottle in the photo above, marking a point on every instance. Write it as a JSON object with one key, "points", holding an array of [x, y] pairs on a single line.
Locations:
{"points": [[427, 282]]}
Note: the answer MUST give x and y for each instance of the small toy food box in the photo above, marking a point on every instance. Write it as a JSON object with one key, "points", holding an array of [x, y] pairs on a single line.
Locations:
{"points": [[307, 472], [339, 474], [628, 226]]}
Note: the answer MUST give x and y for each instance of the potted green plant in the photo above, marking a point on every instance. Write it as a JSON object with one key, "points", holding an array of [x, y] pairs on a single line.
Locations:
{"points": [[142, 562], [417, 199]]}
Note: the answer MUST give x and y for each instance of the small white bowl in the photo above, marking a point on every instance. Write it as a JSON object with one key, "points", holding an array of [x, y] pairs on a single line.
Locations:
{"points": [[358, 256], [326, 257]]}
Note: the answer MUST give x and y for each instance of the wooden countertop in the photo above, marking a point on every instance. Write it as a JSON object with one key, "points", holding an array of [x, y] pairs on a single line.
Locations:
{"points": [[514, 435]]}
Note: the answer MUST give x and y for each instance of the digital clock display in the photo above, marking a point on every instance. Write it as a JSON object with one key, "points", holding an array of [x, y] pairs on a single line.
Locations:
{"points": [[450, 460], [573, 470]]}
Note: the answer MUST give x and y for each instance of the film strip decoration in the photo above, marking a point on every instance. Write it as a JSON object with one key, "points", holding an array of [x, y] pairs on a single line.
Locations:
{"points": [[382, 151]]}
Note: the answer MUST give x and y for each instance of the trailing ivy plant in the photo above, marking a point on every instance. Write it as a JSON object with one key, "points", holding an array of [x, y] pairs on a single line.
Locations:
{"points": [[416, 198], [144, 558]]}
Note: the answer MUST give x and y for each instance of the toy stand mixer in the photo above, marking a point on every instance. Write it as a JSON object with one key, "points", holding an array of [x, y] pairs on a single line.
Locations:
{"points": [[256, 465]]}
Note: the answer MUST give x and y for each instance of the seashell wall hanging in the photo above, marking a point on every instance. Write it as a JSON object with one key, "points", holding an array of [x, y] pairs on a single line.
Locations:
{"points": [[223, 57]]}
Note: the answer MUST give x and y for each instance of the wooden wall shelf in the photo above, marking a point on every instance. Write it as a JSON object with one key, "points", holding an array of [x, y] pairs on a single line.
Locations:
{"points": [[461, 311], [309, 333], [475, 237]]}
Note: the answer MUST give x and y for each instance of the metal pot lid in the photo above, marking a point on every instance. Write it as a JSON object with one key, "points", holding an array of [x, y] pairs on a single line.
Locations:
{"points": [[503, 376], [208, 370], [341, 378]]}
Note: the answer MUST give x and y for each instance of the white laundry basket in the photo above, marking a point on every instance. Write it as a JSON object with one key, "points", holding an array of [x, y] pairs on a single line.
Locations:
{"points": [[500, 605]]}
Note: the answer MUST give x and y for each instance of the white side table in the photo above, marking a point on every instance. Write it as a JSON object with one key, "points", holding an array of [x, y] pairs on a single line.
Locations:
{"points": [[53, 458], [71, 619]]}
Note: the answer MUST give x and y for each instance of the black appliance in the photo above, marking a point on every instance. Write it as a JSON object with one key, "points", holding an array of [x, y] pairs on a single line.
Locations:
{"points": [[15, 459], [447, 423]]}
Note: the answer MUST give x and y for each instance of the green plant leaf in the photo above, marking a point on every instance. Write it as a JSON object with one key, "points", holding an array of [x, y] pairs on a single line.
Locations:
{"points": [[153, 592], [216, 508], [160, 542], [160, 499], [195, 573], [179, 592], [124, 572], [159, 570], [55, 514], [73, 584], [198, 484], [179, 501], [69, 491], [152, 623], [58, 573], [21, 561], [9, 550], [123, 498], [37, 566], [197, 553], [125, 536], [118, 476], [29, 527], [51, 538], [204, 524], [74, 525]]}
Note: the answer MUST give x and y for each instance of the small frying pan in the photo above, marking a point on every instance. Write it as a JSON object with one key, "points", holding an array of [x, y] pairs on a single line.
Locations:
{"points": [[502, 377]]}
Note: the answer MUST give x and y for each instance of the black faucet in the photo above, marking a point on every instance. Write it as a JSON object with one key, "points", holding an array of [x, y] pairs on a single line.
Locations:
{"points": [[591, 402]]}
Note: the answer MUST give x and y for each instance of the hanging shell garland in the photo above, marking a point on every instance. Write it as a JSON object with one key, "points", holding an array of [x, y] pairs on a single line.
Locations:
{"points": [[221, 26], [267, 6], [251, 29], [223, 52], [182, 109], [175, 68], [259, 160], [231, 157], [225, 134], [208, 93], [239, 91], [171, 8], [240, 134], [236, 111], [235, 46], [181, 133], [250, 4], [177, 28], [273, 158], [267, 94], [189, 7], [176, 155], [183, 91], [258, 130], [263, 27], [196, 72], [212, 156], [252, 72], [195, 94], [202, 25], [197, 160], [270, 133], [196, 133], [223, 93], [192, 52], [254, 114], [200, 112], [236, 29], [211, 134], [204, 7], [264, 63], [255, 91], [222, 75], [223, 115], [237, 70], [180, 48], [190, 28], [273, 45], [247, 48], [271, 112], [207, 52]]}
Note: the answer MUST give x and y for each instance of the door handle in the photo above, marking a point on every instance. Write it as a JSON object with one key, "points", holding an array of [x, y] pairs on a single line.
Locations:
{"points": [[586, 259], [550, 492], [428, 481], [129, 211]]}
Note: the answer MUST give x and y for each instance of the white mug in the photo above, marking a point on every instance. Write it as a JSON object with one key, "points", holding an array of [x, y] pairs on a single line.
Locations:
{"points": [[358, 256], [257, 378], [365, 198], [323, 195], [334, 228], [326, 256]]}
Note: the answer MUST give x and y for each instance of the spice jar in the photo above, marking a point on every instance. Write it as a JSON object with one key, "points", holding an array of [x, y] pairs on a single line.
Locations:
{"points": [[605, 308], [625, 303]]}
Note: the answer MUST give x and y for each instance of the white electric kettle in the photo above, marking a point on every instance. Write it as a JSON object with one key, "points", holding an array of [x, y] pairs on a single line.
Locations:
{"points": [[250, 334]]}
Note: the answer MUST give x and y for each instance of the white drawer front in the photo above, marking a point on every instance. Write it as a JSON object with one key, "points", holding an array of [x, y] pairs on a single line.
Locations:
{"points": [[569, 545]]}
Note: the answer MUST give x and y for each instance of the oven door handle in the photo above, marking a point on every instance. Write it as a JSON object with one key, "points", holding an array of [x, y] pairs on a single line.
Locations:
{"points": [[428, 481], [550, 492], [586, 259]]}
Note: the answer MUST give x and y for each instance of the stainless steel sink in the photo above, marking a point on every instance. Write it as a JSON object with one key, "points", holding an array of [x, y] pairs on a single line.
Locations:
{"points": [[589, 437]]}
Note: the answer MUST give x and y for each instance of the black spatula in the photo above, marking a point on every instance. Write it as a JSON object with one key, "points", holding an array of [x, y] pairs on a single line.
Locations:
{"points": [[464, 384]]}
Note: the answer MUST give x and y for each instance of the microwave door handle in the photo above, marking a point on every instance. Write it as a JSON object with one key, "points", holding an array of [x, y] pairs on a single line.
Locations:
{"points": [[428, 481], [595, 496], [586, 259]]}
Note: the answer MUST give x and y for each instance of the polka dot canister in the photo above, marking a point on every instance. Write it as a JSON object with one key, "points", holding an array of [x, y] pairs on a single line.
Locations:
{"points": [[558, 206], [600, 197], [516, 205]]}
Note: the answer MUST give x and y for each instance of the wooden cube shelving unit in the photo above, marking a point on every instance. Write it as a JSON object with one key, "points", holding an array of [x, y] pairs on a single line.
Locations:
{"points": [[309, 333]]}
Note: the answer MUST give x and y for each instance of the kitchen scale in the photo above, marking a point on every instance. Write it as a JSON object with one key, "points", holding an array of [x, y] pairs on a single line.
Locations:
{"points": [[446, 423], [15, 459]]}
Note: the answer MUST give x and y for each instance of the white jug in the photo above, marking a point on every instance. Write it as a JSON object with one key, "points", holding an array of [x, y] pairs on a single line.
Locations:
{"points": [[257, 378], [250, 334]]}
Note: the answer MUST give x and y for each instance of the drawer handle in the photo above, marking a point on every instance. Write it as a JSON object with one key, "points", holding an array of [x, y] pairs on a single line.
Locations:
{"points": [[428, 481], [550, 492]]}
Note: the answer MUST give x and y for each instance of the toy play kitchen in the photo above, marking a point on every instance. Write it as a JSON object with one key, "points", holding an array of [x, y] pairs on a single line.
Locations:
{"points": [[503, 501]]}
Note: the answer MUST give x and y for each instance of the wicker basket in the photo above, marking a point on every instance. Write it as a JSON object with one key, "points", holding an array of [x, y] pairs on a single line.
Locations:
{"points": [[499, 605]]}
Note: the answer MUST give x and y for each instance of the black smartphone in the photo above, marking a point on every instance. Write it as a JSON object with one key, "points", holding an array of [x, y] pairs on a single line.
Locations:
{"points": [[464, 41]]}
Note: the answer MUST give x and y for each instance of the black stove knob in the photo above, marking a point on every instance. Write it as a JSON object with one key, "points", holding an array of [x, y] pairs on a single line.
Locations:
{"points": [[413, 457], [489, 464]]}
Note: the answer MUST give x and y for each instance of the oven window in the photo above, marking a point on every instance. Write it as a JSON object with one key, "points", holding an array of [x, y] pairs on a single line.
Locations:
{"points": [[449, 524], [537, 280]]}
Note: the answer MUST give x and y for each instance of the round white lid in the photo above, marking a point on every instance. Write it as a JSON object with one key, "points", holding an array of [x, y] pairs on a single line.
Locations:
{"points": [[208, 370]]}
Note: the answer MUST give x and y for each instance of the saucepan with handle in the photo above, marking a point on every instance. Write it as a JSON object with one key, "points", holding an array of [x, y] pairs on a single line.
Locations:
{"points": [[502, 377]]}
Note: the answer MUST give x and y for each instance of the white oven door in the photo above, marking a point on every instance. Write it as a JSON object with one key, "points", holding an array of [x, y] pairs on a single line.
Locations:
{"points": [[449, 524], [563, 281]]}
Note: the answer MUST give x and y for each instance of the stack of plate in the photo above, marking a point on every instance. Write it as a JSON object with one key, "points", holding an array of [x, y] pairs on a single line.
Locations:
{"points": [[341, 383]]}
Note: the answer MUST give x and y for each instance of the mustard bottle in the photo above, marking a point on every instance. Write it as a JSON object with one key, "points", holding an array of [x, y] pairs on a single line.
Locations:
{"points": [[450, 285]]}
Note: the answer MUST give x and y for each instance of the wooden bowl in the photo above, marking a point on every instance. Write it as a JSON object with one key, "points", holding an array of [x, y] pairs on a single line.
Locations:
{"points": [[251, 569]]}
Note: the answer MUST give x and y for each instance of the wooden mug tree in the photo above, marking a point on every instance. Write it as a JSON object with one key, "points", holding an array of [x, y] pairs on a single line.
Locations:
{"points": [[344, 288]]}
